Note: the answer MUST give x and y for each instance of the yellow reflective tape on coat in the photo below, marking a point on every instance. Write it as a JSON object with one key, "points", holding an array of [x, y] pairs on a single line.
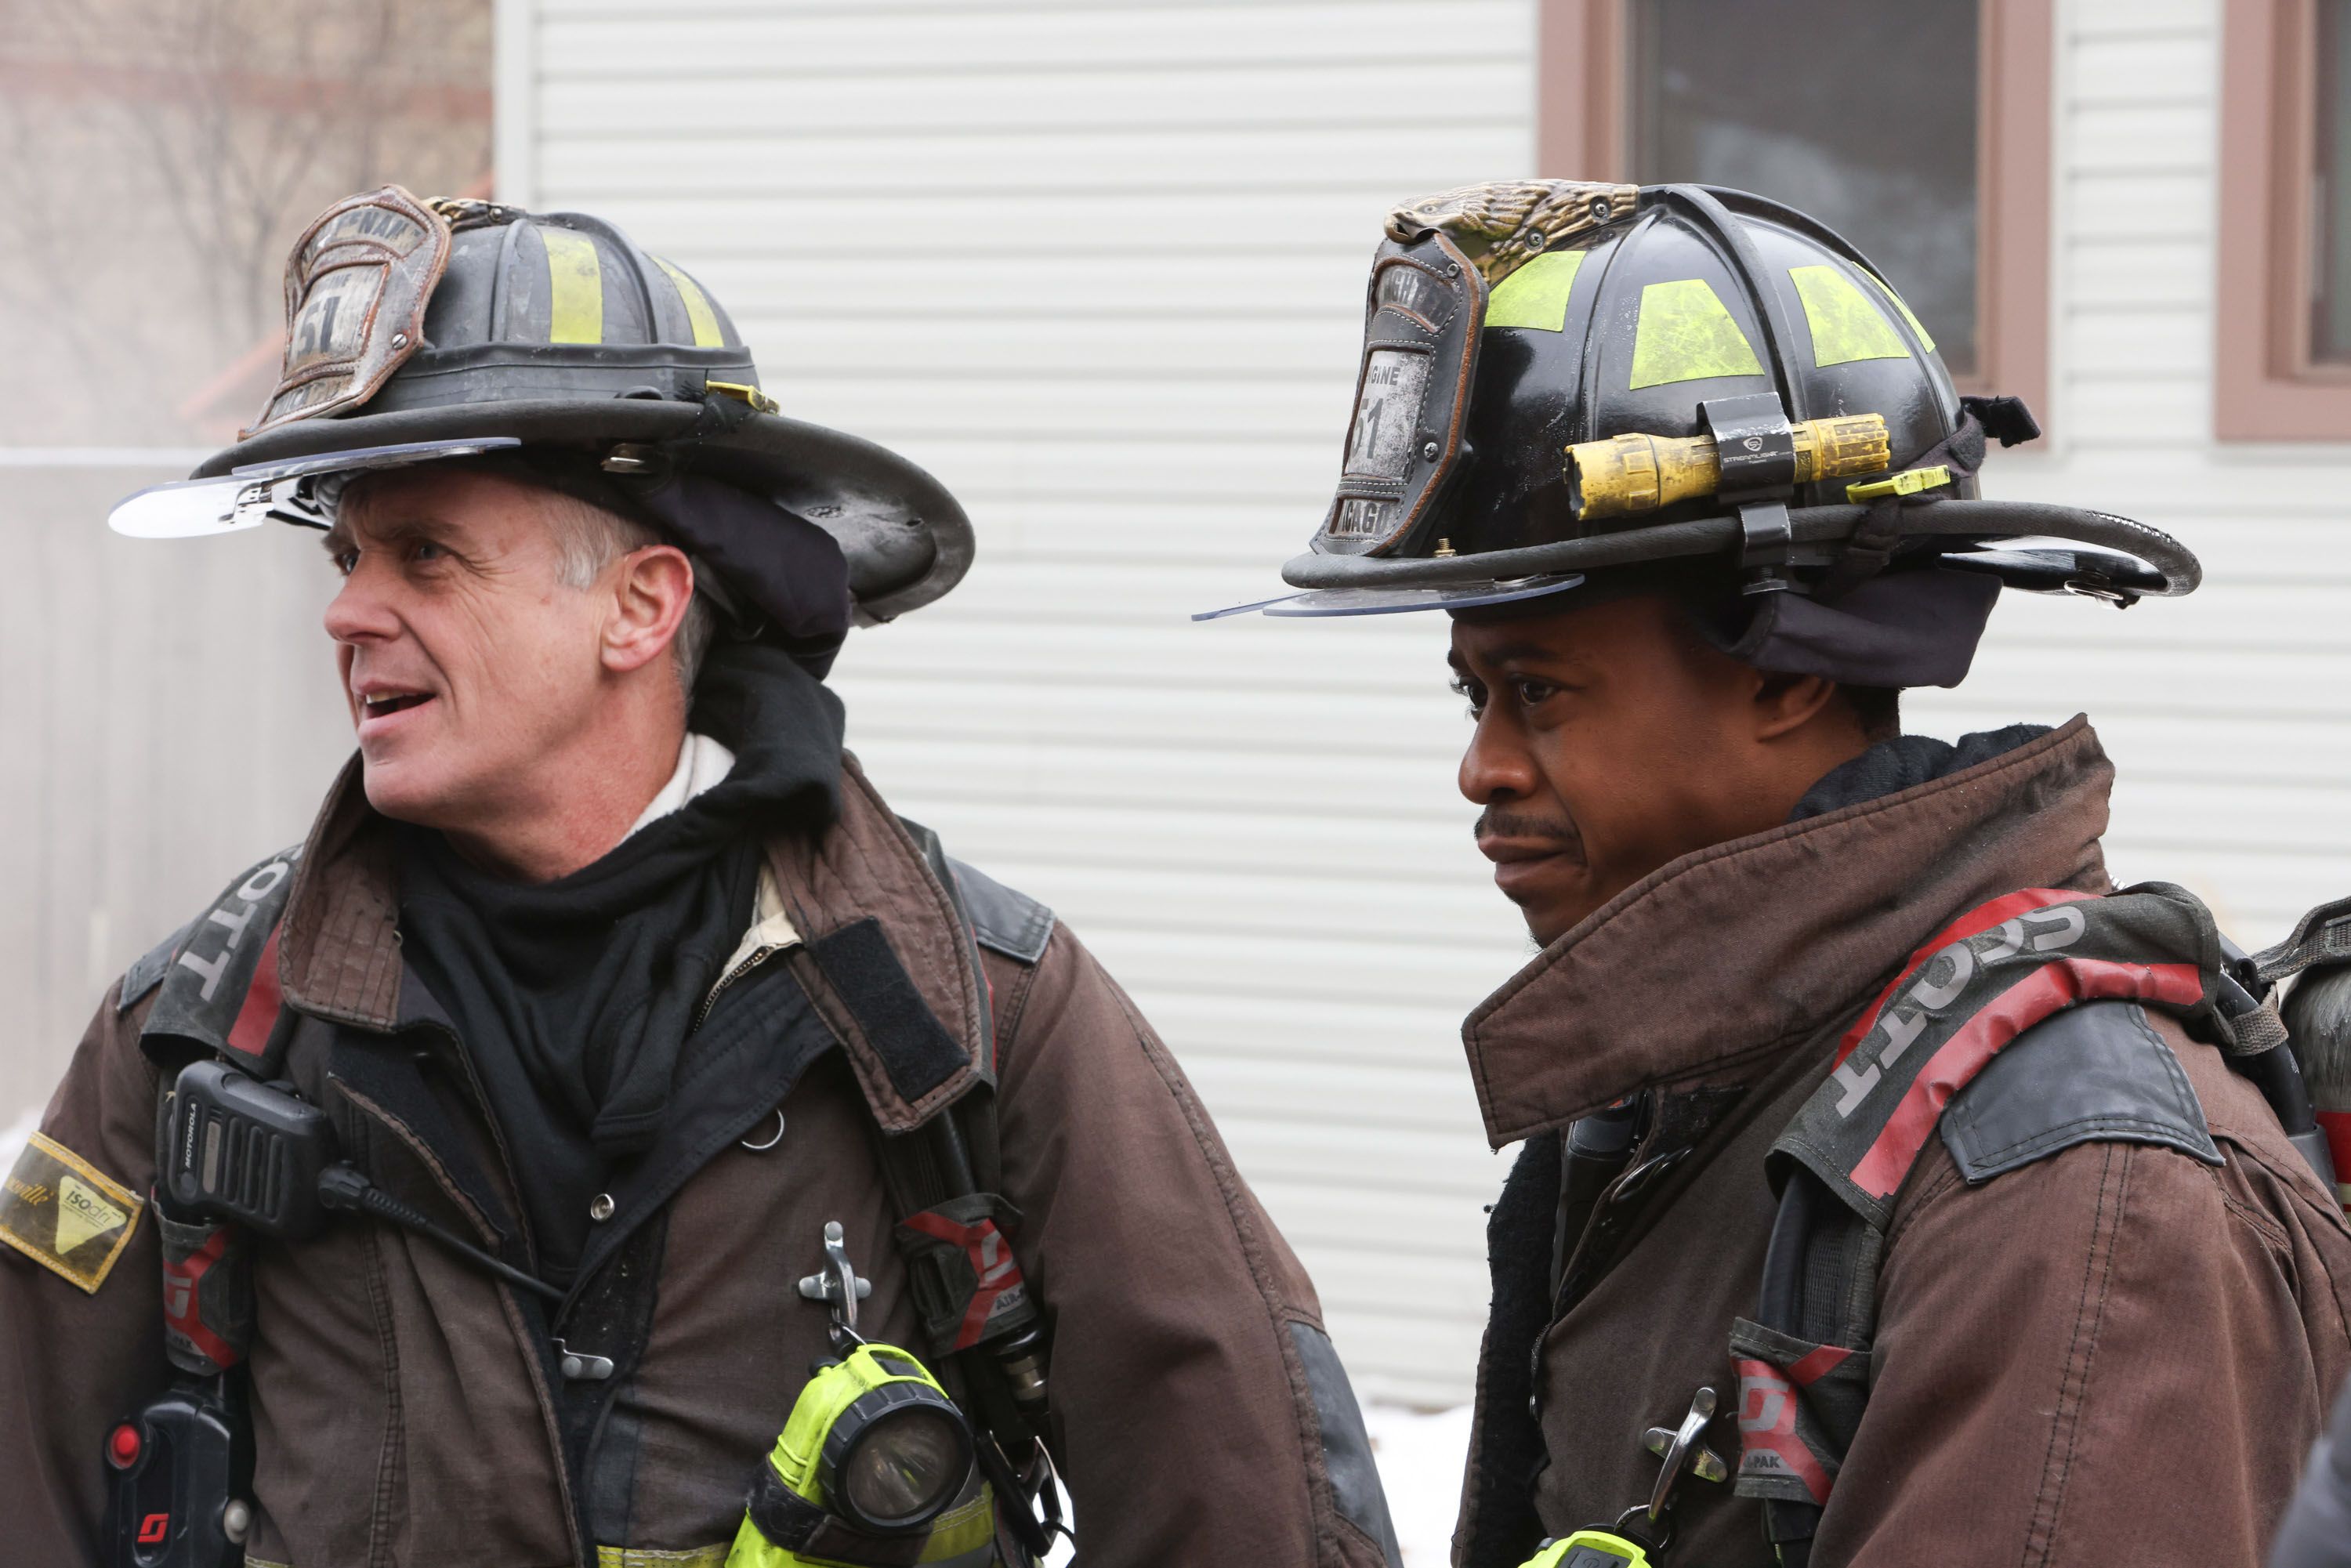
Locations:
{"points": [[64, 1214], [575, 288], [1591, 1548]]}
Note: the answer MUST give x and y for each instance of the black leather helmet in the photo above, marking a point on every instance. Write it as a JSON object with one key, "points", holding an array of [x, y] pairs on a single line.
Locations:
{"points": [[418, 330], [1562, 378]]}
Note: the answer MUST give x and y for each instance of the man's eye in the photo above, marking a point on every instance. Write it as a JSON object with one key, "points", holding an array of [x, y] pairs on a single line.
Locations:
{"points": [[346, 561], [1532, 693], [425, 549], [1472, 691]]}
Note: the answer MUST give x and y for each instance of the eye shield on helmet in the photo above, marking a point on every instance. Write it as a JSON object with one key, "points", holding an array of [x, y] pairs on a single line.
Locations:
{"points": [[299, 490]]}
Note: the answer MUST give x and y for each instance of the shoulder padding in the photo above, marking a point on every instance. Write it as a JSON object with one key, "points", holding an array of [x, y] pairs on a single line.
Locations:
{"points": [[146, 972], [1006, 922], [2096, 1073], [212, 993]]}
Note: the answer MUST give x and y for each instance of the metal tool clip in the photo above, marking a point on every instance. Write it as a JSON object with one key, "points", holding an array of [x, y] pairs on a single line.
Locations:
{"points": [[1683, 1453], [838, 1286]]}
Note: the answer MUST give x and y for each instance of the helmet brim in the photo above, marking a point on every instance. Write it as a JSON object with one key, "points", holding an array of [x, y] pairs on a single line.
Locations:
{"points": [[2150, 561], [1335, 601], [907, 538]]}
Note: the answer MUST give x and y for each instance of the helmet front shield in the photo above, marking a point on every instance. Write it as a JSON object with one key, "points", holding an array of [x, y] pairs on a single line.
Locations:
{"points": [[1425, 313], [288, 491]]}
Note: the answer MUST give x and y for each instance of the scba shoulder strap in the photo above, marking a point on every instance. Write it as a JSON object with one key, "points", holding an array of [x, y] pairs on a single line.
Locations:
{"points": [[2067, 975], [980, 1319]]}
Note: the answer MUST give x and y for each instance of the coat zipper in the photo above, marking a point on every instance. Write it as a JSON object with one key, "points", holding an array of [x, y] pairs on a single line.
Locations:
{"points": [[758, 957]]}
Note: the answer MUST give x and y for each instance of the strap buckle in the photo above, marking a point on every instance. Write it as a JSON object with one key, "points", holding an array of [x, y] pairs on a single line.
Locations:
{"points": [[1909, 482], [760, 401]]}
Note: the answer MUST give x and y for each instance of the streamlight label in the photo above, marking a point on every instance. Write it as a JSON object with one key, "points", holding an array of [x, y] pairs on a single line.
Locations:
{"points": [[63, 1213]]}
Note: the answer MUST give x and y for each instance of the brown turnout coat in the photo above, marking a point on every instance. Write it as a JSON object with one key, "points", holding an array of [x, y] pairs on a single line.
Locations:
{"points": [[2115, 1355], [405, 1419]]}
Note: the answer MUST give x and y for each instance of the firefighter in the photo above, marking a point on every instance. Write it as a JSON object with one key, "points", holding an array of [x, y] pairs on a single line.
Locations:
{"points": [[611, 1082], [1893, 1189]]}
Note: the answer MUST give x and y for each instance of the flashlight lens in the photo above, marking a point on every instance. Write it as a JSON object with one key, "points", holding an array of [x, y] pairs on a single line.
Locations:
{"points": [[906, 1466]]}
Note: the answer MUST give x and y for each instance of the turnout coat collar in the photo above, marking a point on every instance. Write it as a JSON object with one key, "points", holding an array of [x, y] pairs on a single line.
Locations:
{"points": [[339, 941], [1717, 965]]}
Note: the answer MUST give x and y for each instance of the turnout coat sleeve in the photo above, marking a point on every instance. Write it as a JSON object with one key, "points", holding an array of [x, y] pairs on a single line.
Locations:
{"points": [[2116, 1355], [1193, 1390], [74, 1362]]}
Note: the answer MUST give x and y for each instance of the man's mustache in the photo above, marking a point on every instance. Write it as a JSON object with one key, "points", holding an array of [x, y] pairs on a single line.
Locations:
{"points": [[1494, 824]]}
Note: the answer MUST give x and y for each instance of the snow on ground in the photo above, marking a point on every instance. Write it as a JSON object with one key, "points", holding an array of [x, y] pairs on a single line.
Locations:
{"points": [[1421, 1454]]}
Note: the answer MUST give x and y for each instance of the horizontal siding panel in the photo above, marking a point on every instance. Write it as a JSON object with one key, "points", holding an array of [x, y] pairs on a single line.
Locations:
{"points": [[1016, 223], [2169, 342], [2140, 139], [2131, 411], [2142, 72], [614, 46], [2116, 205], [1139, 345], [1198, 163], [1342, 92], [2137, 274], [2130, 19]]}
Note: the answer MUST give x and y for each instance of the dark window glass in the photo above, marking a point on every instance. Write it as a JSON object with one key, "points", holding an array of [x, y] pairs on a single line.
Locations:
{"points": [[1858, 112], [2330, 302]]}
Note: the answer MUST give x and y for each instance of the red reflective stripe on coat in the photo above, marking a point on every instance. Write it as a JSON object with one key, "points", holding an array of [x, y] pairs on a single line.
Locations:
{"points": [[1767, 1426], [1974, 923], [2055, 985], [2336, 1126], [181, 1283], [992, 1265], [250, 1034]]}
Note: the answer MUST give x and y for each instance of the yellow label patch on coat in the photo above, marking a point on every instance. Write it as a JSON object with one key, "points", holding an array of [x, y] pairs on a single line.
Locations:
{"points": [[64, 1214]]}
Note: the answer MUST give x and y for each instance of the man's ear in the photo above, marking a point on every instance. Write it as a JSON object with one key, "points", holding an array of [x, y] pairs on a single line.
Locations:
{"points": [[1786, 703], [650, 597]]}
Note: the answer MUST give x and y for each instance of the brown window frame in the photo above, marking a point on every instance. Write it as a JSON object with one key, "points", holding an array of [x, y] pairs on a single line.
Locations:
{"points": [[2264, 384], [1581, 111]]}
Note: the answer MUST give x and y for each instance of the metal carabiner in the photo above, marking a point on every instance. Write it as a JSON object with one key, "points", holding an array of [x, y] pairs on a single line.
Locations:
{"points": [[838, 1288]]}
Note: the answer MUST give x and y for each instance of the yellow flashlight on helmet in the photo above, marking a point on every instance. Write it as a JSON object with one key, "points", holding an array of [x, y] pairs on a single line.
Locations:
{"points": [[1625, 474]]}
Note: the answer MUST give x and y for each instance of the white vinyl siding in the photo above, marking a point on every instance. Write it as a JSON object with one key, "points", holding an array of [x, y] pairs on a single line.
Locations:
{"points": [[1101, 268]]}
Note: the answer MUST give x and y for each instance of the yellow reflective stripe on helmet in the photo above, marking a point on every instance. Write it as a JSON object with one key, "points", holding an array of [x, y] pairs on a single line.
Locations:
{"points": [[707, 334], [647, 1557], [1846, 325], [1536, 295], [1687, 334], [1925, 341], [575, 285]]}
